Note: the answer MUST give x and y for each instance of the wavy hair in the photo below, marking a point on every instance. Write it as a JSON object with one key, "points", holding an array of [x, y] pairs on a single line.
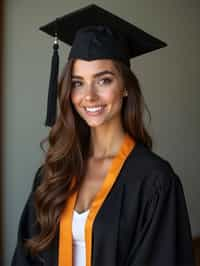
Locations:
{"points": [[68, 150]]}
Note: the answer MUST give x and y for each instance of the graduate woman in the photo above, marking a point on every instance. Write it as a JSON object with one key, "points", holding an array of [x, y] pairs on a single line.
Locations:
{"points": [[102, 197]]}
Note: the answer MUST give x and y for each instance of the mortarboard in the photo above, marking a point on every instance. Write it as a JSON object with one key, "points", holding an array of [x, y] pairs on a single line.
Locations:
{"points": [[94, 33]]}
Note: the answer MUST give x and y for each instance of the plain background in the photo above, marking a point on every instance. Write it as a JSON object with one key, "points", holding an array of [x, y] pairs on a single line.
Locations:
{"points": [[169, 78]]}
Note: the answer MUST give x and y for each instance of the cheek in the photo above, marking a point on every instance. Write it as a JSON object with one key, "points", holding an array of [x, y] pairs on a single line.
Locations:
{"points": [[113, 96], [75, 98]]}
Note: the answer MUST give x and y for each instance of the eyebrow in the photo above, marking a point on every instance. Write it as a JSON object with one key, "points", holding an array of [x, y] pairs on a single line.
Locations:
{"points": [[95, 75]]}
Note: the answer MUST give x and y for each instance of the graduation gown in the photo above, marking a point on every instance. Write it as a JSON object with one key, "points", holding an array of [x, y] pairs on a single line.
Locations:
{"points": [[138, 218]]}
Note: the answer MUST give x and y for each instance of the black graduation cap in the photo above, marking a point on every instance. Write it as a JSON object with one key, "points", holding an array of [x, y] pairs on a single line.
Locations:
{"points": [[94, 33]]}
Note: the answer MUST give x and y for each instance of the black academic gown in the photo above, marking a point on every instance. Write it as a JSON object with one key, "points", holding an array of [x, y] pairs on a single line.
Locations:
{"points": [[142, 222]]}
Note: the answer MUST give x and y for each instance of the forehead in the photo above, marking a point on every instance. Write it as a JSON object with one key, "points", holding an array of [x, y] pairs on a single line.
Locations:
{"points": [[85, 68]]}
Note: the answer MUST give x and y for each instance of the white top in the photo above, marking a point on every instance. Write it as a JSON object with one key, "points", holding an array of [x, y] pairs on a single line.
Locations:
{"points": [[78, 237]]}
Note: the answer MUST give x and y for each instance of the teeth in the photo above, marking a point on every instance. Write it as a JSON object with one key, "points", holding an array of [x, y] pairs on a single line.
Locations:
{"points": [[93, 109]]}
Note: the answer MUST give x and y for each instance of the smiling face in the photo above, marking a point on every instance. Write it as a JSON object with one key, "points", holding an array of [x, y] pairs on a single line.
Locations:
{"points": [[97, 91]]}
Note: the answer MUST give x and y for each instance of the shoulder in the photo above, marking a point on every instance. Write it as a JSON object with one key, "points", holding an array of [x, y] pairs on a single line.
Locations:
{"points": [[146, 168]]}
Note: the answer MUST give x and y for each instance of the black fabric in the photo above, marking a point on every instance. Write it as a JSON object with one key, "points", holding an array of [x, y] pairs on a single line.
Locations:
{"points": [[27, 228], [97, 42], [71, 27], [143, 221]]}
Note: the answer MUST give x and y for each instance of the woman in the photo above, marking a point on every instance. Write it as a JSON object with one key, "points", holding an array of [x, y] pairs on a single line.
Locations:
{"points": [[102, 197]]}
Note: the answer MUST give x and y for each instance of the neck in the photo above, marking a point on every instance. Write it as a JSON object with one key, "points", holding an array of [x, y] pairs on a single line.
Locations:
{"points": [[105, 143]]}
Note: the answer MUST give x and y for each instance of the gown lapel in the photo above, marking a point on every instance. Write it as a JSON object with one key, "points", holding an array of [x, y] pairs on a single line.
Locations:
{"points": [[65, 254]]}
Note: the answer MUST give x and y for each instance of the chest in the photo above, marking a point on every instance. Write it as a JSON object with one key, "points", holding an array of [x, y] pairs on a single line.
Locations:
{"points": [[115, 217], [96, 172]]}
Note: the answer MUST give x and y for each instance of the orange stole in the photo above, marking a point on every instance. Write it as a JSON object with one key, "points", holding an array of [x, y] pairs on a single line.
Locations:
{"points": [[65, 257]]}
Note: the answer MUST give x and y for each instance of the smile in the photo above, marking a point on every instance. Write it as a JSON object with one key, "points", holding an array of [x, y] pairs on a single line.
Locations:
{"points": [[94, 110]]}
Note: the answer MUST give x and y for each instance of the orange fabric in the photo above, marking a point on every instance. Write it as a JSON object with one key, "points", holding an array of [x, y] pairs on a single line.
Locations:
{"points": [[65, 234], [65, 237]]}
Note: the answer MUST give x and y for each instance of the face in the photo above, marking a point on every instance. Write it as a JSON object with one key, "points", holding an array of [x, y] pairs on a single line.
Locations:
{"points": [[97, 91]]}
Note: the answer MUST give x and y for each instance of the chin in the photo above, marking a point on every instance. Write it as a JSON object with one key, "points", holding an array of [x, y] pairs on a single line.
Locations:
{"points": [[98, 121], [94, 122], [93, 125]]}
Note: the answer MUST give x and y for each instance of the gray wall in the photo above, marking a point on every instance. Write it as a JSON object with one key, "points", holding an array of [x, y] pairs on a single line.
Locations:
{"points": [[169, 77]]}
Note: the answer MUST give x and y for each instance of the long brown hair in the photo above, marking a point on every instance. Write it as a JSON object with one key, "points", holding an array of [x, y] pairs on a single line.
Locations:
{"points": [[68, 150]]}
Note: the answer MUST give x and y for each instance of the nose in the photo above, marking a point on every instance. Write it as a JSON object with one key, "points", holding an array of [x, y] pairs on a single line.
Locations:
{"points": [[90, 93]]}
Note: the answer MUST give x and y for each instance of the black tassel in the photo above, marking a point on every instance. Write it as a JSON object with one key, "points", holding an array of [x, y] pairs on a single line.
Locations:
{"points": [[53, 84]]}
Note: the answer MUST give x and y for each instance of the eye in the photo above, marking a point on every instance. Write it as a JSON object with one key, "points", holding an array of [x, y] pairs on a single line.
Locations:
{"points": [[105, 81], [76, 83]]}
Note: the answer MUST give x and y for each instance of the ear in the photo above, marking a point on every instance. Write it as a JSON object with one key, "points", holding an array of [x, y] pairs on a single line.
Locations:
{"points": [[125, 93]]}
